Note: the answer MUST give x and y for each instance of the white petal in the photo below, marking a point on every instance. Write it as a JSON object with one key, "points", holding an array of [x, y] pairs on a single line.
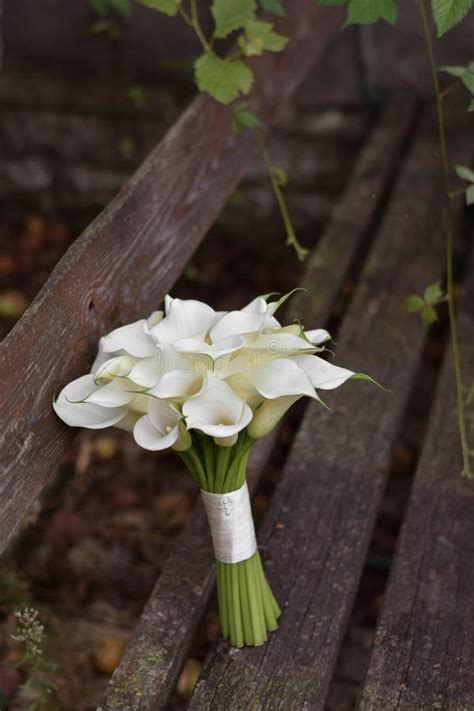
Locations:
{"points": [[131, 339], [323, 374], [148, 437], [215, 350], [281, 377], [114, 394], [319, 335], [154, 319], [221, 430], [217, 410], [163, 417], [256, 306], [278, 342], [176, 384], [184, 319], [101, 358], [259, 305], [237, 323], [117, 367], [74, 412], [147, 372]]}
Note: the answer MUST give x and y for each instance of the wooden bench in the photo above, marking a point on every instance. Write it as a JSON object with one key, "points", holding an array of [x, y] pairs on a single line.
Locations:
{"points": [[385, 237]]}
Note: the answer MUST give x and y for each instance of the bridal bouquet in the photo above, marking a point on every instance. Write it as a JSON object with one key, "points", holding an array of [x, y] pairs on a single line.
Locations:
{"points": [[209, 384]]}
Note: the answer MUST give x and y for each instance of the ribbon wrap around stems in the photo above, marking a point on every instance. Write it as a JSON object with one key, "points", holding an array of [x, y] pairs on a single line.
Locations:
{"points": [[231, 524]]}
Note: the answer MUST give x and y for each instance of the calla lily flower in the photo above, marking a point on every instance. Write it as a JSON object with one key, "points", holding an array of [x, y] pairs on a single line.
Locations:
{"points": [[184, 319], [217, 411], [161, 428], [192, 368], [130, 340], [75, 407], [321, 373]]}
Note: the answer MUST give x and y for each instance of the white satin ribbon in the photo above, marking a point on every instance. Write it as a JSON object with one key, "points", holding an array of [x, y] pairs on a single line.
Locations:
{"points": [[231, 523]]}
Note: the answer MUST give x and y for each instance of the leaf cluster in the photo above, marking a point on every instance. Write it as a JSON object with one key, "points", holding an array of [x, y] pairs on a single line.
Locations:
{"points": [[426, 304], [227, 77], [446, 13]]}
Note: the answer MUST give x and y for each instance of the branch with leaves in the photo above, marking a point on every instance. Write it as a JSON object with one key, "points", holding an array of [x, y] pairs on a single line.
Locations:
{"points": [[226, 76]]}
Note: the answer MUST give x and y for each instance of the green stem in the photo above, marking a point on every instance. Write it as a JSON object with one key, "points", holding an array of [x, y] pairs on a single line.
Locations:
{"points": [[197, 27], [291, 238], [449, 247]]}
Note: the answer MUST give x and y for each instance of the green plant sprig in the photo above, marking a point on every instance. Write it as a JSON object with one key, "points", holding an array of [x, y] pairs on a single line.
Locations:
{"points": [[446, 14], [226, 78], [41, 671]]}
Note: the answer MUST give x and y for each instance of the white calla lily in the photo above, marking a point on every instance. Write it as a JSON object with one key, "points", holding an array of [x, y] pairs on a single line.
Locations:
{"points": [[217, 411], [184, 319], [159, 428], [74, 407], [215, 350], [131, 339], [323, 374], [177, 384], [280, 377]]}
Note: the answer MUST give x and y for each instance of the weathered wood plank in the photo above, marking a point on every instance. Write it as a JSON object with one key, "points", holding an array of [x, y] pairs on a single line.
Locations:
{"points": [[318, 528], [423, 656], [184, 588], [128, 258]]}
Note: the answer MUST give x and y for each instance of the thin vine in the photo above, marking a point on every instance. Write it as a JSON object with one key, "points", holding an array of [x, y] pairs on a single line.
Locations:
{"points": [[448, 194], [446, 14]]}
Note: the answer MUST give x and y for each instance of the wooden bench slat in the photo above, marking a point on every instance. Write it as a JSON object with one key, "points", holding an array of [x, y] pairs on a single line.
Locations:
{"points": [[170, 619], [423, 656], [318, 528], [129, 257]]}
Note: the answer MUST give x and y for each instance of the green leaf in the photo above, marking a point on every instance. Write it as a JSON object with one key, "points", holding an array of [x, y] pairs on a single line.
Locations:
{"points": [[273, 6], [223, 79], [465, 173], [470, 195], [429, 315], [368, 379], [414, 303], [433, 293], [122, 7], [168, 7], [243, 117], [260, 36], [468, 81], [455, 71], [364, 12], [230, 15], [448, 13]]}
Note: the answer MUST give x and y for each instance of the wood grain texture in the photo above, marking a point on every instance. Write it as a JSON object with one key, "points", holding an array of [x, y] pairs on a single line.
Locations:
{"points": [[423, 656], [129, 257], [316, 533], [164, 632]]}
